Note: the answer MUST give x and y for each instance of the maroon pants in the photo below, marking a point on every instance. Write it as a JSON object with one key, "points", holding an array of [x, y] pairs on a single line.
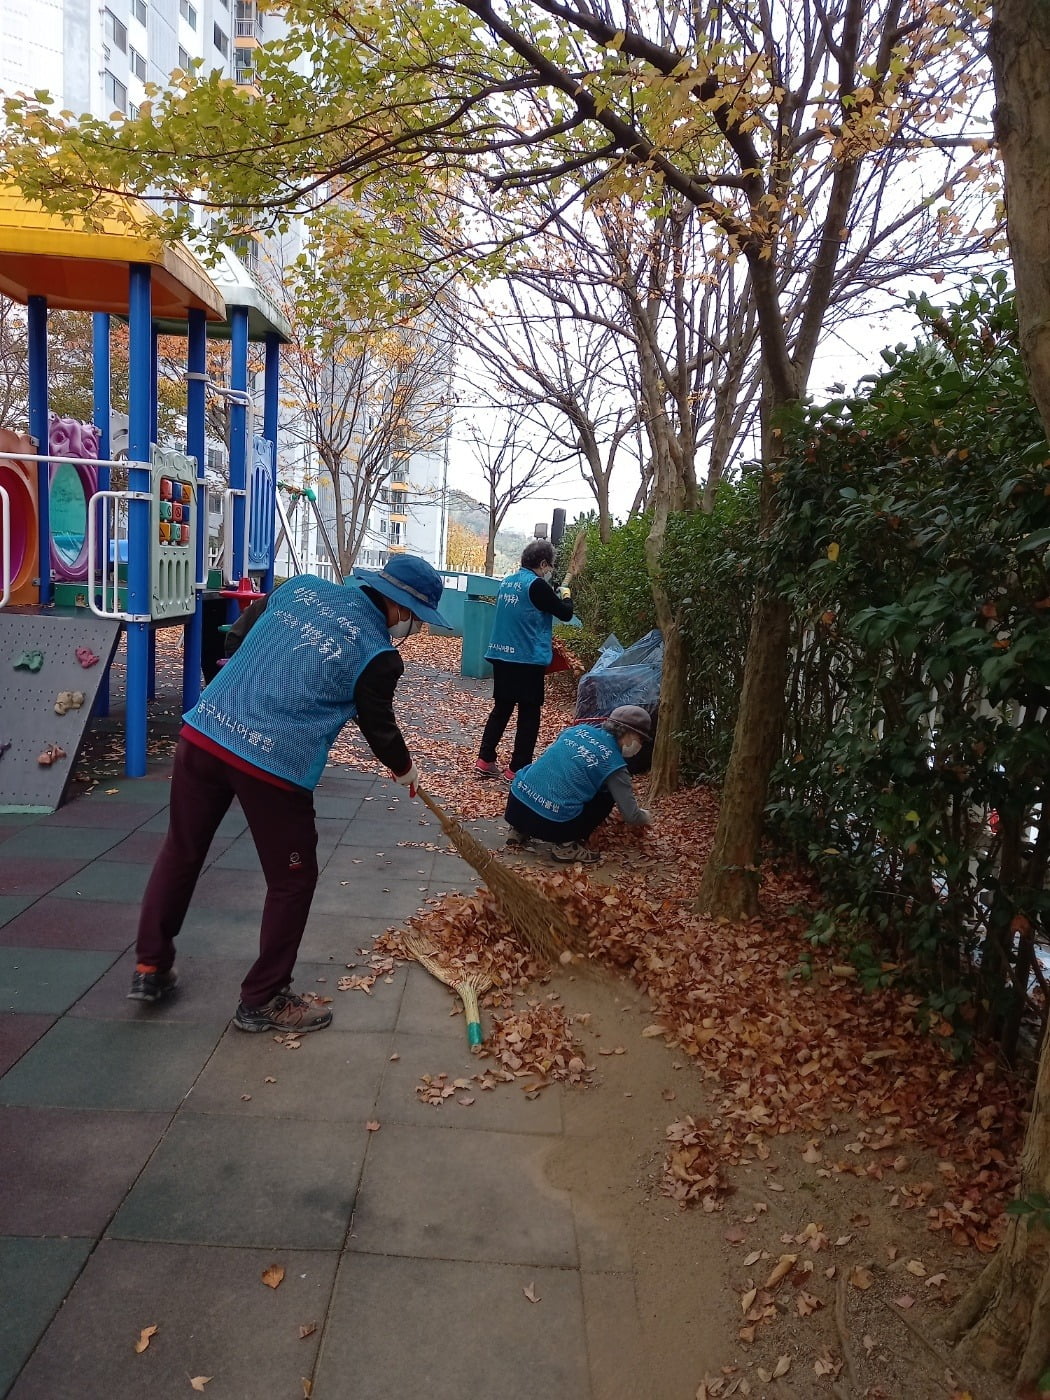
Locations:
{"points": [[285, 835]]}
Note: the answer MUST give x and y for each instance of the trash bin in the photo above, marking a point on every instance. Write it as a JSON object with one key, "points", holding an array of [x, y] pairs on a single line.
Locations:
{"points": [[478, 614]]}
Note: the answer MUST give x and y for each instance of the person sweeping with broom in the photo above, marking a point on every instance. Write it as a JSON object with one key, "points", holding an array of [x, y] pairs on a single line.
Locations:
{"points": [[314, 656], [519, 652], [575, 783]]}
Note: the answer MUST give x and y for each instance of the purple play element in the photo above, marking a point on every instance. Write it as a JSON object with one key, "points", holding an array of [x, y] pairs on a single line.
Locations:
{"points": [[21, 515], [68, 438]]}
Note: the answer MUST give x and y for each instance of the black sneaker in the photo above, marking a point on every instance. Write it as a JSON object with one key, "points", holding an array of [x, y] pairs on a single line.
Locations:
{"points": [[152, 986], [518, 841], [283, 1012]]}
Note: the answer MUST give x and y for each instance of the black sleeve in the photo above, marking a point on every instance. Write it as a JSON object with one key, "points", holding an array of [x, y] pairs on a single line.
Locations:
{"points": [[543, 596], [374, 698], [244, 624]]}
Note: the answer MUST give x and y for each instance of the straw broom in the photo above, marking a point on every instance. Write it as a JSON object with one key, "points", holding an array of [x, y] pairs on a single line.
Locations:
{"points": [[577, 559], [537, 921], [468, 988]]}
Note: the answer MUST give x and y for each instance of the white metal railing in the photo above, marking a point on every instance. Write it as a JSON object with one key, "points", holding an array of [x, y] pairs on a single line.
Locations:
{"points": [[5, 546], [104, 565]]}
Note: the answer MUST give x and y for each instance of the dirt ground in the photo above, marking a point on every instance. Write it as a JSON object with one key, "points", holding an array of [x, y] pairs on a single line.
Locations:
{"points": [[692, 1268]]}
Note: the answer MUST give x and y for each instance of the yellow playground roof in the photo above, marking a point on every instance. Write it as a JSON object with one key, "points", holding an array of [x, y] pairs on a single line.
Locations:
{"points": [[82, 269]]}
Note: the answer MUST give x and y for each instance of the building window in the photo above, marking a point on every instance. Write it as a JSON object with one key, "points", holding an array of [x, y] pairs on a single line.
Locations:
{"points": [[395, 532], [220, 41], [248, 20], [184, 59], [115, 32], [138, 9], [115, 92], [188, 13], [244, 68], [138, 64], [133, 112]]}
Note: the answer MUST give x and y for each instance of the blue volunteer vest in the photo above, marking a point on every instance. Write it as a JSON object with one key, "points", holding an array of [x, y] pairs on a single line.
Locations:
{"points": [[568, 774], [288, 689], [520, 632]]}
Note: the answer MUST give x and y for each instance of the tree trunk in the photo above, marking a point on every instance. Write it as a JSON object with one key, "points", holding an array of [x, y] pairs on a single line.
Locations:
{"points": [[1020, 52], [1003, 1322], [729, 886], [664, 775]]}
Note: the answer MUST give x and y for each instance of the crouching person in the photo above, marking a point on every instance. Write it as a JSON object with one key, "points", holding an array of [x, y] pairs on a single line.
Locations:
{"points": [[575, 783]]}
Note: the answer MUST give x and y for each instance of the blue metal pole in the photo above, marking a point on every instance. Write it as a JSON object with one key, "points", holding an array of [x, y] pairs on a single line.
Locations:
{"points": [[140, 479], [239, 448], [271, 401], [154, 419], [101, 409], [196, 364], [37, 347]]}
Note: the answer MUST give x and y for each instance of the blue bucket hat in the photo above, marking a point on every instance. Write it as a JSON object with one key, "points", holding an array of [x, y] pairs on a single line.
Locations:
{"points": [[410, 581]]}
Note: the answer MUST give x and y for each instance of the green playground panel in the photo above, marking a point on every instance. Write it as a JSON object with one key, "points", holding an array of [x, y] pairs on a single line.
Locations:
{"points": [[173, 545]]}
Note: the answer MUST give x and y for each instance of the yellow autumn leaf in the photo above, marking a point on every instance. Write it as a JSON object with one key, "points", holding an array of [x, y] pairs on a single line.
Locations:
{"points": [[833, 551], [144, 1336], [199, 1382], [273, 1276]]}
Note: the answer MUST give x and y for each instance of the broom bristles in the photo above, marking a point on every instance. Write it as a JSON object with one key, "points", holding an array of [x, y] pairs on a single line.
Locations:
{"points": [[537, 921], [577, 558]]}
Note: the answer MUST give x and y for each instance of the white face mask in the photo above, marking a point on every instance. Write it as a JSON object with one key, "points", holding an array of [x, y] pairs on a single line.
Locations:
{"points": [[630, 746], [408, 628]]}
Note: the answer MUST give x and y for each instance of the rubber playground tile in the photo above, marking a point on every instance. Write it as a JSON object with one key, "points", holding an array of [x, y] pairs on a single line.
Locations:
{"points": [[65, 1171], [247, 1181], [119, 882], [11, 905], [46, 981], [52, 923], [110, 1064], [207, 993], [225, 889], [118, 816], [504, 1109], [333, 1078], [28, 875], [144, 792], [35, 1276], [475, 1195], [18, 1032], [213, 1317], [232, 825], [65, 842], [140, 848], [472, 1332]]}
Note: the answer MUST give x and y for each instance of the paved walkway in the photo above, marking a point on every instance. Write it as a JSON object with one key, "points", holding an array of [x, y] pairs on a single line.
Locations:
{"points": [[155, 1161]]}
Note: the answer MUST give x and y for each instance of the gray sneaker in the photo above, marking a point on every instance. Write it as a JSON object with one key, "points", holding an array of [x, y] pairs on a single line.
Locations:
{"points": [[152, 986], [284, 1012]]}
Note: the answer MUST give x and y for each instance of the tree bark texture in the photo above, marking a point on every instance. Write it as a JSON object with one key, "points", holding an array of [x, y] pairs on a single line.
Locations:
{"points": [[1020, 52], [1003, 1322], [729, 886]]}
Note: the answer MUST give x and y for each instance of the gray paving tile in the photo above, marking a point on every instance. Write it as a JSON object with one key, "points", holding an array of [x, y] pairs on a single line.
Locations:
{"points": [[620, 1369], [213, 1317], [389, 901], [17, 1033], [332, 1078], [353, 1010], [220, 933], [140, 847], [472, 1332], [35, 1276], [120, 816], [65, 841], [437, 1194], [503, 1109], [430, 1008], [143, 792], [230, 889], [109, 1064], [338, 937], [65, 1170], [47, 980], [52, 923], [121, 882], [247, 1182]]}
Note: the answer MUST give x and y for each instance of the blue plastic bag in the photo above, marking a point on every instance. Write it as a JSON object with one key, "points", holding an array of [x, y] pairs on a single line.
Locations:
{"points": [[622, 677]]}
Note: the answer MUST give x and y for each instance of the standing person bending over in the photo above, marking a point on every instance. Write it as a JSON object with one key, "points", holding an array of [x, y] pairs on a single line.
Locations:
{"points": [[315, 655], [575, 783], [520, 652]]}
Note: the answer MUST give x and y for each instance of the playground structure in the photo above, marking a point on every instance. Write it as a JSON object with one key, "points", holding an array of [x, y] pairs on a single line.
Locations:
{"points": [[131, 557]]}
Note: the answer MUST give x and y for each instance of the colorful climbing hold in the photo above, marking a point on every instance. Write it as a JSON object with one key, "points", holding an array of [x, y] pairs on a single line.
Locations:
{"points": [[86, 657], [30, 661]]}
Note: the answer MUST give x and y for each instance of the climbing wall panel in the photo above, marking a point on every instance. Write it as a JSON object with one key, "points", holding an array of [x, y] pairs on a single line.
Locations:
{"points": [[29, 725]]}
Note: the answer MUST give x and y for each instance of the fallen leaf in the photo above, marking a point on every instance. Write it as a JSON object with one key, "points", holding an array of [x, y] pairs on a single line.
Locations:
{"points": [[806, 1303], [530, 1293], [781, 1269], [144, 1336], [466, 1100], [746, 1299], [935, 1280], [734, 1235], [246, 1098], [905, 1301], [916, 1267], [269, 1079], [752, 1258], [308, 1385], [651, 1031], [812, 1153], [199, 1382], [306, 1329], [782, 1366], [372, 1126], [273, 1277], [861, 1278]]}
